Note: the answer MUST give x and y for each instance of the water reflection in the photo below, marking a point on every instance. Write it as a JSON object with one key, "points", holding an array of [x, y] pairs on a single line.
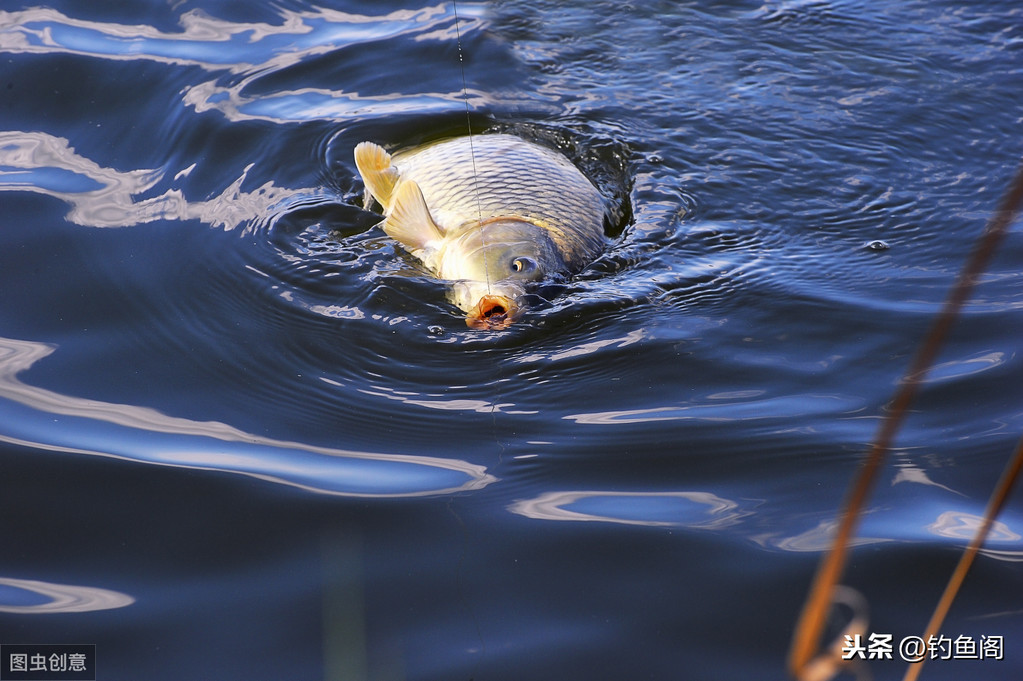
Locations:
{"points": [[441, 401], [241, 54], [967, 366], [104, 197], [817, 539], [959, 525], [32, 597], [213, 43], [586, 348], [907, 525], [741, 410], [696, 510], [1002, 543], [92, 427]]}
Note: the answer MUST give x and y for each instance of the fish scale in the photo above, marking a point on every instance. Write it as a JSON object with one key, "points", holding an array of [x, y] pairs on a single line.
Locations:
{"points": [[513, 178]]}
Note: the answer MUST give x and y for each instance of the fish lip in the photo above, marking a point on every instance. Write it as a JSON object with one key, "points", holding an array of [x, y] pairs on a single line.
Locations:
{"points": [[494, 312]]}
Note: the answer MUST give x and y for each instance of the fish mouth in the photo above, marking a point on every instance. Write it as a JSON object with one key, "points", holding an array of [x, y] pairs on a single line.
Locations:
{"points": [[493, 312]]}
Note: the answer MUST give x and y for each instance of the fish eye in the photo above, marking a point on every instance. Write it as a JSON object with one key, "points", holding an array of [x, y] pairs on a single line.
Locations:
{"points": [[523, 265]]}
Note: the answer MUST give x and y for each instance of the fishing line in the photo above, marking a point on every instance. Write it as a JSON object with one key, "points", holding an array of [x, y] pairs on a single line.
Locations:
{"points": [[472, 151], [476, 191], [493, 402]]}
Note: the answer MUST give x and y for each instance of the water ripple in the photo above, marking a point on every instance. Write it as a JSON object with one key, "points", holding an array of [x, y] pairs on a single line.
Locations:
{"points": [[262, 70], [787, 406], [56, 598], [695, 510], [97, 428], [210, 42], [104, 197]]}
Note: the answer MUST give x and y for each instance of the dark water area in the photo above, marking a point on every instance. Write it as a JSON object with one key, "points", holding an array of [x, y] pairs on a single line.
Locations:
{"points": [[245, 436]]}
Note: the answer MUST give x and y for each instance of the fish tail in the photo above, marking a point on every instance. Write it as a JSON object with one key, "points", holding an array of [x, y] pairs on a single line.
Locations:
{"points": [[377, 173]]}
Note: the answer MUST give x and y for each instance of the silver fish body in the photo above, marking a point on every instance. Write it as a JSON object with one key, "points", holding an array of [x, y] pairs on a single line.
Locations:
{"points": [[490, 213]]}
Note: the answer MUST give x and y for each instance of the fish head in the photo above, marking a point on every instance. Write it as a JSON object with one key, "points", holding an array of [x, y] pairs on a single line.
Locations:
{"points": [[493, 268]]}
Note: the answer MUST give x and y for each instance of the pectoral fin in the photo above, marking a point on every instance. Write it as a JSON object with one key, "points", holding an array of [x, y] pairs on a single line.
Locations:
{"points": [[378, 174], [409, 221]]}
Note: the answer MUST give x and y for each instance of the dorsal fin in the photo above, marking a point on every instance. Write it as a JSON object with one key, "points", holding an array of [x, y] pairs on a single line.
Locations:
{"points": [[378, 174], [408, 219]]}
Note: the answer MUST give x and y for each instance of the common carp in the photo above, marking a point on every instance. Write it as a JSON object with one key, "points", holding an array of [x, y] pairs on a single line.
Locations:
{"points": [[494, 214]]}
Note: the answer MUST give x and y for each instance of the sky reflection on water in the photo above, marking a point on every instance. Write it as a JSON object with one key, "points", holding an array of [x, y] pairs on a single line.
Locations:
{"points": [[636, 480], [56, 598], [148, 436]]}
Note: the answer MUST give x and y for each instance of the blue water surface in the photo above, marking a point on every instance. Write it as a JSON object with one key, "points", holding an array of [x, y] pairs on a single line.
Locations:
{"points": [[245, 436]]}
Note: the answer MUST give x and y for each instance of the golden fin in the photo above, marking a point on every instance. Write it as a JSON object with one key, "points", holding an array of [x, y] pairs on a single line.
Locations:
{"points": [[378, 174], [408, 220]]}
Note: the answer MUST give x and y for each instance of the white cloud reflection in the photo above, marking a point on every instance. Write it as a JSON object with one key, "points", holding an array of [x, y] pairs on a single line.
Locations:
{"points": [[695, 510], [61, 598], [817, 539], [104, 197], [443, 402], [914, 524], [238, 54], [960, 525], [586, 348], [741, 410], [212, 43], [43, 419]]}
